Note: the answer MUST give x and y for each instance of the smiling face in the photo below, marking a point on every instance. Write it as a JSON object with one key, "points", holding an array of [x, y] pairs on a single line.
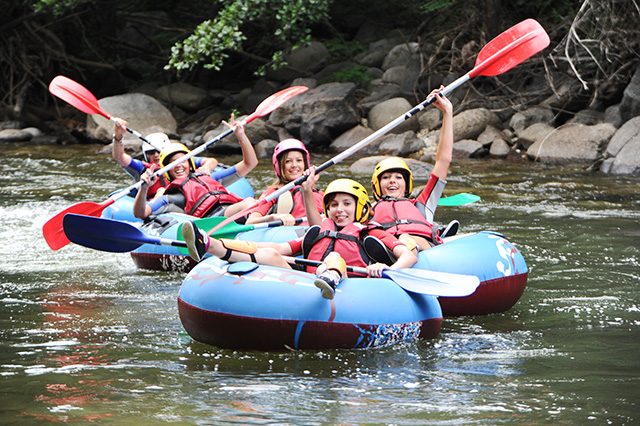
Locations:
{"points": [[392, 184], [181, 170], [292, 165], [342, 209]]}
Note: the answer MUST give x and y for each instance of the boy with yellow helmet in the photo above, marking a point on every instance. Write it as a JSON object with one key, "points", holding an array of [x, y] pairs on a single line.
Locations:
{"points": [[392, 183], [195, 191], [336, 240]]}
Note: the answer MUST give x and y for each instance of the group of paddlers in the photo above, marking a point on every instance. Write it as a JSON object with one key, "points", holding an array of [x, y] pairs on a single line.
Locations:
{"points": [[345, 228]]}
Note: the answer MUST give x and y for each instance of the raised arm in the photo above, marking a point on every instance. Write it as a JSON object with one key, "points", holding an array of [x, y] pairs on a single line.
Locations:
{"points": [[249, 157], [313, 217], [444, 154], [117, 150]]}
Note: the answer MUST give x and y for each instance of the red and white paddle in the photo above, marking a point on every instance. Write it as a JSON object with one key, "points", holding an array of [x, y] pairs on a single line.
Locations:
{"points": [[500, 55], [82, 99]]}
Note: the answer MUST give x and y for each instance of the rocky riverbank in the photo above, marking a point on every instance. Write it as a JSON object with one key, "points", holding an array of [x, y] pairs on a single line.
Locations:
{"points": [[333, 116]]}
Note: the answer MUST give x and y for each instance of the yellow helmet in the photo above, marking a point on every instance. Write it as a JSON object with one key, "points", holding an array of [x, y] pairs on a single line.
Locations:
{"points": [[351, 187], [388, 164], [168, 152]]}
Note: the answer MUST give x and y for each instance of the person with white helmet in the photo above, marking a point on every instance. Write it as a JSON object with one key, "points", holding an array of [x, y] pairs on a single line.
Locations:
{"points": [[339, 239], [290, 159], [151, 152], [411, 219]]}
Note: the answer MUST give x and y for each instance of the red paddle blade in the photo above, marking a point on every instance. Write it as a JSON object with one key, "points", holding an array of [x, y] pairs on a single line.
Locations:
{"points": [[510, 48], [76, 95], [276, 100], [53, 229]]}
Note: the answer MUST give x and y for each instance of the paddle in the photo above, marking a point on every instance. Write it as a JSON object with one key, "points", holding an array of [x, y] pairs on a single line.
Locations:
{"points": [[500, 55], [52, 229], [119, 237], [458, 200], [78, 96], [416, 280]]}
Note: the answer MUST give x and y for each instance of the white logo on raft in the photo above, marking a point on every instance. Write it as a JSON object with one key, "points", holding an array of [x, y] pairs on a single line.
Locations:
{"points": [[506, 251]]}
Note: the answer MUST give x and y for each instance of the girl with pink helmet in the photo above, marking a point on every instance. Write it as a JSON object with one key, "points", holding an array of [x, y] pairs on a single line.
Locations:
{"points": [[290, 160]]}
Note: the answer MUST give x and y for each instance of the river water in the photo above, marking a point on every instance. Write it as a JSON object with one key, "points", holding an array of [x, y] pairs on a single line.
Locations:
{"points": [[87, 337]]}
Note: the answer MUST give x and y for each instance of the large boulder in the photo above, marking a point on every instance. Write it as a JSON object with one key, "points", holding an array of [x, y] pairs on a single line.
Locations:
{"points": [[301, 62], [622, 155], [319, 115], [142, 112], [537, 114], [352, 137], [572, 143]]}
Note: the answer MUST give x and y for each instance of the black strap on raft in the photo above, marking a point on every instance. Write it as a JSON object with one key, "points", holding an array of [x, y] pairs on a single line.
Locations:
{"points": [[229, 252], [158, 223]]}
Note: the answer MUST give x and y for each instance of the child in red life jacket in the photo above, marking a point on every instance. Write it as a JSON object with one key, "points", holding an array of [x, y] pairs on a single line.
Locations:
{"points": [[392, 182], [193, 191], [332, 240], [290, 160]]}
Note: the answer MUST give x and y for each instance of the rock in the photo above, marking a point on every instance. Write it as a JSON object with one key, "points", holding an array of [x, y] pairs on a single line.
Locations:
{"points": [[15, 135], [365, 166], [468, 148], [379, 93], [352, 137], [256, 131], [377, 51], [587, 116], [401, 145], [499, 149], [387, 111], [319, 115], [572, 143], [301, 62], [630, 104], [612, 115], [523, 119], [471, 123], [491, 135], [534, 133], [264, 148], [622, 155], [431, 118], [185, 96], [400, 55], [143, 113]]}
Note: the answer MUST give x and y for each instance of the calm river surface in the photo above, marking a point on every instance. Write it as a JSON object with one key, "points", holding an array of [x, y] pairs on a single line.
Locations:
{"points": [[88, 338]]}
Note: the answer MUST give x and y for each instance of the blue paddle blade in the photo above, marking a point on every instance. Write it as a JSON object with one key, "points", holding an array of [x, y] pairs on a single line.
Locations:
{"points": [[104, 234], [433, 283]]}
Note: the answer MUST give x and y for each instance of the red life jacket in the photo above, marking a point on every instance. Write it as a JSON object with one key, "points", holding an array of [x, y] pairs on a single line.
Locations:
{"points": [[202, 193], [298, 202], [401, 216], [159, 183], [347, 242]]}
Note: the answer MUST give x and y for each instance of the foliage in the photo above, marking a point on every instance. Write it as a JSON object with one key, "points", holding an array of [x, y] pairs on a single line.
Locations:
{"points": [[282, 23], [355, 73]]}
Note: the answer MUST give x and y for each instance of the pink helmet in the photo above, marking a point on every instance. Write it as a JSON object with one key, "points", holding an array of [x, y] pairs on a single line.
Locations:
{"points": [[288, 145]]}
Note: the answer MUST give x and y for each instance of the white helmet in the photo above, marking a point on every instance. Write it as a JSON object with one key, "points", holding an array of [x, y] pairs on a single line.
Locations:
{"points": [[155, 142]]}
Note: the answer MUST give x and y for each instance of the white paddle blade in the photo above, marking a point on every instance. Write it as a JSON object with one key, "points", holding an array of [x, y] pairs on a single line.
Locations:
{"points": [[434, 283]]}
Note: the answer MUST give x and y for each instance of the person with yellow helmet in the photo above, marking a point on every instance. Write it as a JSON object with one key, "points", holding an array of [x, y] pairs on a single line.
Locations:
{"points": [[392, 182], [337, 241], [151, 152], [195, 191], [290, 160]]}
